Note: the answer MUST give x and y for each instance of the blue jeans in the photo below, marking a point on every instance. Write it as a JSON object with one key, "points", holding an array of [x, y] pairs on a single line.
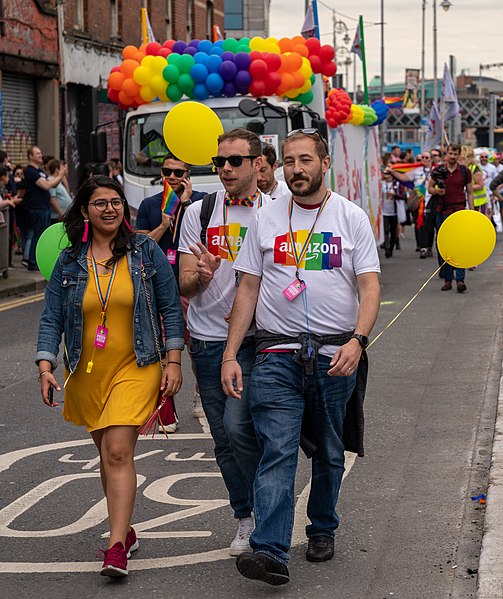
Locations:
{"points": [[280, 390], [40, 220], [236, 448], [447, 271]]}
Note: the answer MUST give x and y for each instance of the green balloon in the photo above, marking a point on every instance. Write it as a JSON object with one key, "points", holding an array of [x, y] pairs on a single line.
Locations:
{"points": [[243, 48], [312, 79], [174, 59], [186, 83], [50, 245], [186, 63], [174, 93], [244, 41], [171, 73], [230, 44], [306, 98]]}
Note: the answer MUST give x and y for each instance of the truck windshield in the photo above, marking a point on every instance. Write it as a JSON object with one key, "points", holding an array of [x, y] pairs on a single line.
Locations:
{"points": [[145, 146]]}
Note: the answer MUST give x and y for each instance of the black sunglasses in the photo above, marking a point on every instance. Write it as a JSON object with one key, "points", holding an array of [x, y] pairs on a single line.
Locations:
{"points": [[177, 171], [219, 161], [310, 131]]}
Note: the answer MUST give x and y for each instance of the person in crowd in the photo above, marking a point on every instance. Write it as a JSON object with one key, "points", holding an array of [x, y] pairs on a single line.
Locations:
{"points": [[11, 193], [436, 156], [18, 173], [165, 230], [106, 293], [221, 221], [38, 200], [409, 156], [396, 154], [5, 198], [489, 171], [452, 193], [498, 163], [267, 182], [315, 298], [60, 193], [391, 194], [115, 168], [424, 216], [495, 188], [480, 195]]}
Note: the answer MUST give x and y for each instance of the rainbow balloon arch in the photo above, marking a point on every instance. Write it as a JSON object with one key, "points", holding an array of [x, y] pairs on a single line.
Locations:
{"points": [[258, 67]]}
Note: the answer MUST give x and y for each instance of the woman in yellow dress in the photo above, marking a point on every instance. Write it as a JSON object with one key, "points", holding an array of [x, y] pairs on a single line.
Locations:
{"points": [[106, 295]]}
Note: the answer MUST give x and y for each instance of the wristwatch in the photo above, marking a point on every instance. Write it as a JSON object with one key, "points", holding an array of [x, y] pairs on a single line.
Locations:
{"points": [[362, 339]]}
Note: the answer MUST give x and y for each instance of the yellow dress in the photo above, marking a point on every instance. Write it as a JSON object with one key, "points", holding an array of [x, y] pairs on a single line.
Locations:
{"points": [[116, 391]]}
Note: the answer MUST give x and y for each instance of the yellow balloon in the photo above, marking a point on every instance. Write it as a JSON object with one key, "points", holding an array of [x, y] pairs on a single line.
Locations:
{"points": [[146, 61], [358, 115], [147, 93], [466, 239], [191, 131], [158, 64], [158, 84]]}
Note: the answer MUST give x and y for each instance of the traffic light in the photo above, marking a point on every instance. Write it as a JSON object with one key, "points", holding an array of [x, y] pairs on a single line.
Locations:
{"points": [[499, 112]]}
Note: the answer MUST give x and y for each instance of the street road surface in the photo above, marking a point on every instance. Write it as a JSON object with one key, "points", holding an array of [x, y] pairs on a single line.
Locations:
{"points": [[409, 527]]}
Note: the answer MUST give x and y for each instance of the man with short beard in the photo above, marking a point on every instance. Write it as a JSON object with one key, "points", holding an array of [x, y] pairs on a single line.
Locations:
{"points": [[207, 278], [309, 270], [456, 191]]}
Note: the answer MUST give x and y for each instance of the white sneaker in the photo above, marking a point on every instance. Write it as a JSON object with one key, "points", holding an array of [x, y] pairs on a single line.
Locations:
{"points": [[169, 428], [197, 408], [241, 542]]}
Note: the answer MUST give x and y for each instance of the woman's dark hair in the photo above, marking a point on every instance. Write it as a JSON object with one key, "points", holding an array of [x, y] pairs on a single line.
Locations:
{"points": [[74, 219]]}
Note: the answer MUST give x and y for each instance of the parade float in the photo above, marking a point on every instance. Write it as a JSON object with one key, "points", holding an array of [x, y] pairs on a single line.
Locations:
{"points": [[268, 86]]}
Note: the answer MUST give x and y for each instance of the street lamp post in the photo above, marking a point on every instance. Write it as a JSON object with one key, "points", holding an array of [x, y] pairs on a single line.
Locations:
{"points": [[445, 4]]}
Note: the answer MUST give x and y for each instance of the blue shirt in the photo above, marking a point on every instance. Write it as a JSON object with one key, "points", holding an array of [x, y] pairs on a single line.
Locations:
{"points": [[149, 217], [35, 198]]}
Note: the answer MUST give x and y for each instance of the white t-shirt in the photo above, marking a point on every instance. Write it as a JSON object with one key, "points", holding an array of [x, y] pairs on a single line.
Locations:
{"points": [[488, 172], [205, 317], [342, 247], [280, 191], [421, 176], [388, 198]]}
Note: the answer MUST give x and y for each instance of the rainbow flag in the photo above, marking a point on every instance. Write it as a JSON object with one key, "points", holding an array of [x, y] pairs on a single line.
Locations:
{"points": [[404, 167], [170, 200], [393, 101]]}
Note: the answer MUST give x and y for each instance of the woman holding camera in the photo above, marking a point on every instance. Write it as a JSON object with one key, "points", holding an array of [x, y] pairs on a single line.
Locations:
{"points": [[106, 295]]}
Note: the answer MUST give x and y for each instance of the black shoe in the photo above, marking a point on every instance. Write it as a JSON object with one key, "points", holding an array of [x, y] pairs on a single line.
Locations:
{"points": [[423, 254], [259, 566], [320, 549], [397, 245], [388, 253], [461, 287], [429, 253], [382, 246]]}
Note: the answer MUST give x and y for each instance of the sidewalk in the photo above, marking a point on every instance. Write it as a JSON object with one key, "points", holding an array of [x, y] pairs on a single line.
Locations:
{"points": [[20, 280]]}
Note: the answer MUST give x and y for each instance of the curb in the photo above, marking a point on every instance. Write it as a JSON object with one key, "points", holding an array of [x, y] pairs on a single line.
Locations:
{"points": [[21, 287], [490, 575]]}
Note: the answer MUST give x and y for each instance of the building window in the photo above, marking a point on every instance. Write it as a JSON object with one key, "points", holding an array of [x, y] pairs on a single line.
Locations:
{"points": [[233, 14], [209, 20], [169, 28], [79, 23], [114, 19], [189, 19]]}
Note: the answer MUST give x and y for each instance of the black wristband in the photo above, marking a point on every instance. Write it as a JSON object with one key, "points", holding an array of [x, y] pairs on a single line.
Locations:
{"points": [[173, 362]]}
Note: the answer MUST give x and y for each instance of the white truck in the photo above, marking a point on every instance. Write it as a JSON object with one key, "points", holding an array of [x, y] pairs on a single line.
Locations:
{"points": [[355, 171]]}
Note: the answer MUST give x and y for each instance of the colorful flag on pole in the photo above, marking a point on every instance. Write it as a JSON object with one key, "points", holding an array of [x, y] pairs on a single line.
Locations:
{"points": [[356, 48], [449, 96], [434, 134], [170, 200], [393, 101], [147, 34], [308, 28]]}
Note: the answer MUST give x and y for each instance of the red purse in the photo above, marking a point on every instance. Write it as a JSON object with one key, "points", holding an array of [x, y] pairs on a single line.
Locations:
{"points": [[165, 412]]}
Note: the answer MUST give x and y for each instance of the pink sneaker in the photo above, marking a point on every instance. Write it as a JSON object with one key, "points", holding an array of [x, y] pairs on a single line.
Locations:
{"points": [[115, 562], [132, 543]]}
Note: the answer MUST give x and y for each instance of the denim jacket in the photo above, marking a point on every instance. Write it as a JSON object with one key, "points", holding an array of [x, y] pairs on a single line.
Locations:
{"points": [[64, 298]]}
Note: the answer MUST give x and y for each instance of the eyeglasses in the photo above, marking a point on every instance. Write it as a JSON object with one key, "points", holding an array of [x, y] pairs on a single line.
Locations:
{"points": [[435, 155], [102, 205], [425, 157], [219, 161], [312, 132], [178, 172]]}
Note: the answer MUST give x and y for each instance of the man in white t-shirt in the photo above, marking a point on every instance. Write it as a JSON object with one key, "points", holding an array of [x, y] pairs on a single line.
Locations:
{"points": [[310, 277], [208, 279], [489, 171], [267, 182]]}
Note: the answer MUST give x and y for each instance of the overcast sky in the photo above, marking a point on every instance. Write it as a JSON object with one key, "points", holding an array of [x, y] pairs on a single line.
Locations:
{"points": [[472, 30]]}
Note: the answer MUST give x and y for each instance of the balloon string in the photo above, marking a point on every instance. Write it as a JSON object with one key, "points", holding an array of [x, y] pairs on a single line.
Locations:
{"points": [[405, 307]]}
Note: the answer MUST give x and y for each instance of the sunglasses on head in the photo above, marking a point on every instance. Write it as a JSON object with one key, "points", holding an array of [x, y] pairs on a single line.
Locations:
{"points": [[310, 131], [219, 161], [178, 172]]}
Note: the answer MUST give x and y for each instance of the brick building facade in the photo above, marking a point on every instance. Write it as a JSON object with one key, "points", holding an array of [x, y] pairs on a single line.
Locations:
{"points": [[55, 58]]}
